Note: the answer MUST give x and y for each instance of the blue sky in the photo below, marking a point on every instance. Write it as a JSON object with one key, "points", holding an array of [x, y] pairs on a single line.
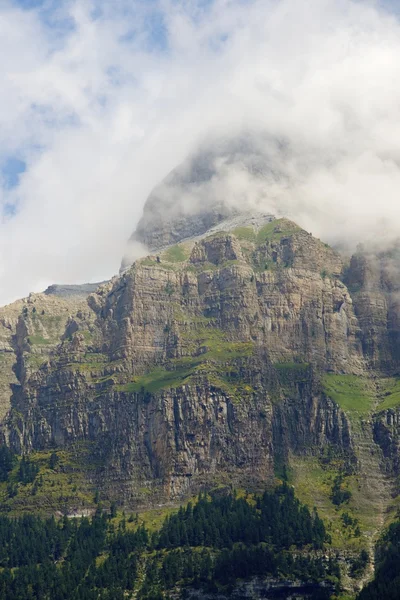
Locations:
{"points": [[12, 169], [144, 24], [100, 100]]}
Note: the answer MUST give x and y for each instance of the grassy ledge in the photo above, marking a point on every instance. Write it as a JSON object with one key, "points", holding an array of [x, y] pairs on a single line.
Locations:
{"points": [[181, 371], [350, 392], [271, 232], [276, 230], [389, 393], [176, 253]]}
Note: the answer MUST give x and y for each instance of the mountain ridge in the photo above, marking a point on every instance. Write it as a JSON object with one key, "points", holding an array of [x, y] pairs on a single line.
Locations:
{"points": [[240, 357]]}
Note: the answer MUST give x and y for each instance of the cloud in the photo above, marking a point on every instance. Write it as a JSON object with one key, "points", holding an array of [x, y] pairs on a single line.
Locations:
{"points": [[101, 100]]}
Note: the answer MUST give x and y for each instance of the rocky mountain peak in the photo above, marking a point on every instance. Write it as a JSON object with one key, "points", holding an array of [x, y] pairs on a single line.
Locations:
{"points": [[208, 189]]}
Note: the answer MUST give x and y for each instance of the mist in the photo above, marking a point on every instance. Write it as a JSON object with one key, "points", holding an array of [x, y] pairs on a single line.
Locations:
{"points": [[100, 103]]}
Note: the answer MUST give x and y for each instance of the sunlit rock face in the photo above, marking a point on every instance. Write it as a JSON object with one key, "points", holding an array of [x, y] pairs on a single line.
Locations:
{"points": [[238, 344], [200, 364]]}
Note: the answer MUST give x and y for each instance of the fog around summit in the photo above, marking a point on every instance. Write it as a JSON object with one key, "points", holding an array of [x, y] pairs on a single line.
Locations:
{"points": [[100, 102]]}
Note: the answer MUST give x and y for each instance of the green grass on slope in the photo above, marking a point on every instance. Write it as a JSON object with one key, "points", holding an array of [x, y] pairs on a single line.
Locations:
{"points": [[63, 487], [158, 379], [245, 233], [390, 393], [273, 231], [350, 392], [276, 230], [180, 371], [38, 340], [176, 253], [313, 483]]}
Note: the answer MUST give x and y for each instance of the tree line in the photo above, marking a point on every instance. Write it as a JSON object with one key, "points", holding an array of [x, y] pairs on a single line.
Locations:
{"points": [[386, 584], [209, 544]]}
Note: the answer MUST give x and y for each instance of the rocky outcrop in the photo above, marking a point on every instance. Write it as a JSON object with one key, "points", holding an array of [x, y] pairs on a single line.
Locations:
{"points": [[30, 332], [374, 281], [205, 364], [65, 291], [283, 294], [197, 366], [268, 588], [387, 436], [176, 441]]}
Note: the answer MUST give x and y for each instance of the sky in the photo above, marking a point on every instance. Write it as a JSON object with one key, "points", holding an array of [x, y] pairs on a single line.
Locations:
{"points": [[100, 100]]}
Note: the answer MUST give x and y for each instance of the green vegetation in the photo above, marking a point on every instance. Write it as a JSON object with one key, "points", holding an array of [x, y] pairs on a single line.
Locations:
{"points": [[172, 258], [292, 372], [350, 392], [276, 230], [38, 340], [282, 469], [386, 585], [53, 460], [351, 524], [87, 335], [151, 519], [340, 495], [275, 517], [169, 288], [27, 470], [45, 329], [178, 253], [390, 393], [92, 366], [289, 377], [182, 370], [359, 564], [208, 545], [148, 262], [35, 361], [262, 264], [95, 357], [7, 462], [205, 340], [271, 232], [157, 379], [245, 233], [44, 481], [315, 481]]}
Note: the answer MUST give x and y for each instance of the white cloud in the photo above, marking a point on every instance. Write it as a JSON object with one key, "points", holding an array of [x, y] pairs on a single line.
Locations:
{"points": [[101, 112]]}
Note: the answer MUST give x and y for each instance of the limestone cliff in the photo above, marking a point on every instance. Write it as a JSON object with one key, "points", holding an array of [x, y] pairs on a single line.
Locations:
{"points": [[247, 353], [374, 281], [200, 364], [30, 331]]}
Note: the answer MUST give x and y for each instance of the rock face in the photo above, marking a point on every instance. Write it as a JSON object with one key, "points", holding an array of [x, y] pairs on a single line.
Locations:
{"points": [[374, 280], [205, 364], [200, 365], [67, 291], [269, 589], [30, 331]]}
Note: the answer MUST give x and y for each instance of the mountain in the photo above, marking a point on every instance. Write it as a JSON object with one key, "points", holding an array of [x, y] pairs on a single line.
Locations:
{"points": [[211, 185], [249, 352], [214, 360]]}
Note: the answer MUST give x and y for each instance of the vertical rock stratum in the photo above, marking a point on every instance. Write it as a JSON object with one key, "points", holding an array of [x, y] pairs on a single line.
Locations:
{"points": [[247, 351]]}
